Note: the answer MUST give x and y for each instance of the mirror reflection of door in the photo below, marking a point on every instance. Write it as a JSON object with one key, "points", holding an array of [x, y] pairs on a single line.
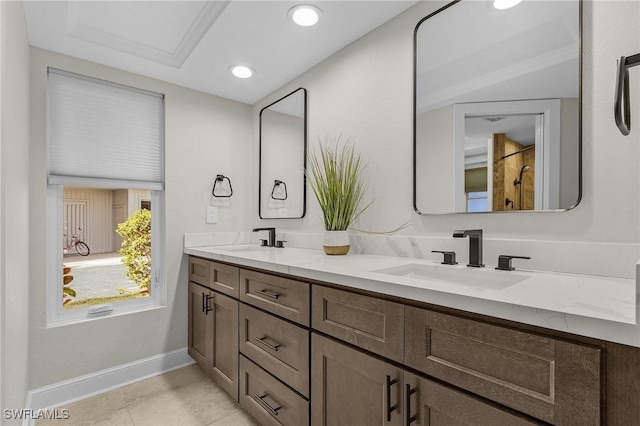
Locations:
{"points": [[507, 181]]}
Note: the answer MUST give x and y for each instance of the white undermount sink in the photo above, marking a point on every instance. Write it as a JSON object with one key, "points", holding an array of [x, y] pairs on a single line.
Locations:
{"points": [[458, 275]]}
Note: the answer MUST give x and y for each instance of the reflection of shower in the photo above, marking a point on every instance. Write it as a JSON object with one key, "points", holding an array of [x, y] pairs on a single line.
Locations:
{"points": [[518, 183]]}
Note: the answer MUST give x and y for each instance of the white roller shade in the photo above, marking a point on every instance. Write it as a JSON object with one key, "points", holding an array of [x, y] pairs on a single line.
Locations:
{"points": [[103, 134]]}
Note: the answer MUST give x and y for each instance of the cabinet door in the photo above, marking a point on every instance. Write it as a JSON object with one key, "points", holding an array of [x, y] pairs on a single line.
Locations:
{"points": [[552, 380], [200, 325], [428, 403], [224, 357], [350, 387]]}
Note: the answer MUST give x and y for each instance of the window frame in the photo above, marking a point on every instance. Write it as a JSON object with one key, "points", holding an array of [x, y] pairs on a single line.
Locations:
{"points": [[56, 314]]}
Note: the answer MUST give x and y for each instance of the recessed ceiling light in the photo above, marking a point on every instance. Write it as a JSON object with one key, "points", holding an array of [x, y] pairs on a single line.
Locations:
{"points": [[305, 15], [505, 4], [241, 71]]}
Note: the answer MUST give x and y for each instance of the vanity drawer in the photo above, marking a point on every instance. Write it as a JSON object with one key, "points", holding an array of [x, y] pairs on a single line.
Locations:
{"points": [[552, 380], [269, 401], [225, 279], [368, 322], [278, 346], [199, 270], [281, 296]]}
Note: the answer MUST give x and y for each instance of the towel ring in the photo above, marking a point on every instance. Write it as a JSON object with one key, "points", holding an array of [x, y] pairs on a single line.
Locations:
{"points": [[220, 179], [276, 184]]}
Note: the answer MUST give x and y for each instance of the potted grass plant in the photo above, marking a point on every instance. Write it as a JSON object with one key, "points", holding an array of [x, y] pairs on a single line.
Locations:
{"points": [[336, 178]]}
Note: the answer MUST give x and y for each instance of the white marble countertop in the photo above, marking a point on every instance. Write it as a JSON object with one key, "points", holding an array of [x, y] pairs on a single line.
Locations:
{"points": [[593, 306]]}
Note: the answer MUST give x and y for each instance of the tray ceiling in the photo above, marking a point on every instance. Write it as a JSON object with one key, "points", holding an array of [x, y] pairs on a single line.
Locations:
{"points": [[193, 43]]}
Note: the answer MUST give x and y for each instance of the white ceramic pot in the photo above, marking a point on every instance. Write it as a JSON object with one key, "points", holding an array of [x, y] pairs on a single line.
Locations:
{"points": [[336, 242]]}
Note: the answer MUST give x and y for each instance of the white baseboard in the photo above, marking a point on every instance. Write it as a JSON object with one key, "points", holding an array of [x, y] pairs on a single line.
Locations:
{"points": [[68, 391]]}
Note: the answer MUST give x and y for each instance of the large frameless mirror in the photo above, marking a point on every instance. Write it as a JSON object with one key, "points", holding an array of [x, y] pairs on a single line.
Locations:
{"points": [[497, 108], [283, 152]]}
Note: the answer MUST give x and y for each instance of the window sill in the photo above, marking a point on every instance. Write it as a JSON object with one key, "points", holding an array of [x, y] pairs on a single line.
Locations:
{"points": [[83, 314]]}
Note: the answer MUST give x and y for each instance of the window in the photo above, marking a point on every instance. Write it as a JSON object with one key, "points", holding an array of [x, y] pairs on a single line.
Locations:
{"points": [[105, 168], [477, 201]]}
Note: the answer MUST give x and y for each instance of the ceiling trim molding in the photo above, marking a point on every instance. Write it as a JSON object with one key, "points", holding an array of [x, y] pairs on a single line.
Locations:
{"points": [[207, 16], [444, 95]]}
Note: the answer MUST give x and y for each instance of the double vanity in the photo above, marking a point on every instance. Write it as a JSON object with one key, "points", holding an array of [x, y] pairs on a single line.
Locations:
{"points": [[298, 337]]}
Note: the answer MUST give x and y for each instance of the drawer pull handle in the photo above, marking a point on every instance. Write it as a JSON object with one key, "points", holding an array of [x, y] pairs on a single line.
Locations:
{"points": [[266, 405], [268, 293], [389, 407], [410, 418], [267, 344]]}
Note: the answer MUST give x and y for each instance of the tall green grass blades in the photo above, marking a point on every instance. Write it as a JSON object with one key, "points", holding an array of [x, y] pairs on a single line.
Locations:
{"points": [[336, 179]]}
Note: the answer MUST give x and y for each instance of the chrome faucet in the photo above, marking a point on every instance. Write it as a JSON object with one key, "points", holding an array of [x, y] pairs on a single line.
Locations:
{"points": [[271, 242], [475, 246]]}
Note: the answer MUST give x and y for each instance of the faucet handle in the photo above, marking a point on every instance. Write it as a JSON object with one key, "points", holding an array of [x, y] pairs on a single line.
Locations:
{"points": [[504, 262], [280, 243], [263, 243], [449, 257]]}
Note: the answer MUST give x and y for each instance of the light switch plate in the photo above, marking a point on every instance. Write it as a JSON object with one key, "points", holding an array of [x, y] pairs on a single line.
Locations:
{"points": [[212, 214]]}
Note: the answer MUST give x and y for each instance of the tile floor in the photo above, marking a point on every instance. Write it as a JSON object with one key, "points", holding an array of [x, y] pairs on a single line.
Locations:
{"points": [[183, 397]]}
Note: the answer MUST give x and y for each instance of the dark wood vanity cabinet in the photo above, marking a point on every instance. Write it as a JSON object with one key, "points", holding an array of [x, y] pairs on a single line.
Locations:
{"points": [[428, 403], [321, 354], [224, 358], [549, 379], [278, 346], [268, 400], [497, 370], [351, 387], [213, 330], [274, 348], [374, 324], [200, 325], [249, 331], [277, 295]]}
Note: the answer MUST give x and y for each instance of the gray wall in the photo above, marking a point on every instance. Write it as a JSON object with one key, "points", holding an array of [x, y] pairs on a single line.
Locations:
{"points": [[204, 135], [365, 91], [14, 208]]}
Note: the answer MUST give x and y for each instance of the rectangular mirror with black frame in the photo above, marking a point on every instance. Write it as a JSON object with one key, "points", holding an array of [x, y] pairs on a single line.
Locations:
{"points": [[283, 156], [497, 107]]}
